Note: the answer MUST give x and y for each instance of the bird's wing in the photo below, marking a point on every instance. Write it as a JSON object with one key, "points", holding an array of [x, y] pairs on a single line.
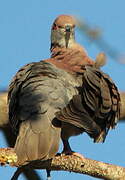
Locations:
{"points": [[35, 94], [33, 86], [96, 108], [107, 97], [14, 93]]}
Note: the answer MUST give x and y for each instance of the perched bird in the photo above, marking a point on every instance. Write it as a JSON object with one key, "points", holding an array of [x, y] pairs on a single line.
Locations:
{"points": [[40, 89], [40, 92]]}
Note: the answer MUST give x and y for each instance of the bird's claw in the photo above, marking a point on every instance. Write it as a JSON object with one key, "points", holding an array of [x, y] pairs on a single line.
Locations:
{"points": [[78, 155], [73, 153]]}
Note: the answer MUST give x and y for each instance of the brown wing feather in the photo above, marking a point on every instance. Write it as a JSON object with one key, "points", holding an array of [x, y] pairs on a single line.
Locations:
{"points": [[96, 109]]}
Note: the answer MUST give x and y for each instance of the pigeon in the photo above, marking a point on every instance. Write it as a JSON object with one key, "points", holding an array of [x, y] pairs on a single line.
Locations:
{"points": [[41, 90]]}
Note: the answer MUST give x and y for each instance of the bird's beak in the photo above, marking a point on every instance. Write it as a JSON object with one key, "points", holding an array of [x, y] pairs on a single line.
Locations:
{"points": [[67, 35]]}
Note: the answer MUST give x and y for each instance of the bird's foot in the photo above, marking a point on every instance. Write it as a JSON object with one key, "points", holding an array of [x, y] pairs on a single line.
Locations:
{"points": [[73, 153], [68, 151], [78, 155]]}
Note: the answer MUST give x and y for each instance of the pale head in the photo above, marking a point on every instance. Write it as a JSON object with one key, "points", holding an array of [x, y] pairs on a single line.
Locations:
{"points": [[62, 32]]}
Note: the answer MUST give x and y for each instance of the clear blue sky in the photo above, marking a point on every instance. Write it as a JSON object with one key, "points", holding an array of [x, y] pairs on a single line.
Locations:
{"points": [[25, 37]]}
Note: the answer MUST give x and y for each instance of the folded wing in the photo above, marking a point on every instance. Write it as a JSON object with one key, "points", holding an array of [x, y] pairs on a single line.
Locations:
{"points": [[96, 108]]}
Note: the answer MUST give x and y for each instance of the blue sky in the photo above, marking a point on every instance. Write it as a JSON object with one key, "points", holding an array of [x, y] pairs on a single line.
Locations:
{"points": [[25, 37]]}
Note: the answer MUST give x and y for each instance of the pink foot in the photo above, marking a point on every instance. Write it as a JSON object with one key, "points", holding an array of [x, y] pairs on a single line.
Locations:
{"points": [[73, 153], [78, 155]]}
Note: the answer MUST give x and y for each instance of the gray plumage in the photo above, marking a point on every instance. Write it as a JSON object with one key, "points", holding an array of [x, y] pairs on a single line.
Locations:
{"points": [[36, 93]]}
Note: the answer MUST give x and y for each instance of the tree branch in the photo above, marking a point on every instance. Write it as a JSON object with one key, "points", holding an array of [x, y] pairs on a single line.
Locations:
{"points": [[68, 163], [3, 109]]}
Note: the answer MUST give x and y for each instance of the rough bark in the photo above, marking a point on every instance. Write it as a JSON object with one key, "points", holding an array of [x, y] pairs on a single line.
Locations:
{"points": [[67, 163], [3, 109]]}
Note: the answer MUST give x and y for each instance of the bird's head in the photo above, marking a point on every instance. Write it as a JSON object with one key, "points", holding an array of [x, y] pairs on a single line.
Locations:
{"points": [[62, 32]]}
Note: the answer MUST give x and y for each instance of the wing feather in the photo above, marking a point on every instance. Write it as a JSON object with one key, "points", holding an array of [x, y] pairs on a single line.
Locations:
{"points": [[97, 107]]}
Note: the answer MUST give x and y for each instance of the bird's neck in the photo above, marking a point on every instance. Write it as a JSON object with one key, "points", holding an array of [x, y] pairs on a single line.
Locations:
{"points": [[62, 44], [73, 47], [70, 59]]}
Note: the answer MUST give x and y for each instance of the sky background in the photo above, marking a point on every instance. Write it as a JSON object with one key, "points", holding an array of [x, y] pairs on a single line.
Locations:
{"points": [[25, 37]]}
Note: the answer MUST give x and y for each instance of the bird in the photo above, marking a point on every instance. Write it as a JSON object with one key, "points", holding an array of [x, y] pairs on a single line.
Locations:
{"points": [[41, 89]]}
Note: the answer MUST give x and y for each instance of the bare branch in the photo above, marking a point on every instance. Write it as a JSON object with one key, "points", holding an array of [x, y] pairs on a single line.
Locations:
{"points": [[68, 163], [3, 109]]}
